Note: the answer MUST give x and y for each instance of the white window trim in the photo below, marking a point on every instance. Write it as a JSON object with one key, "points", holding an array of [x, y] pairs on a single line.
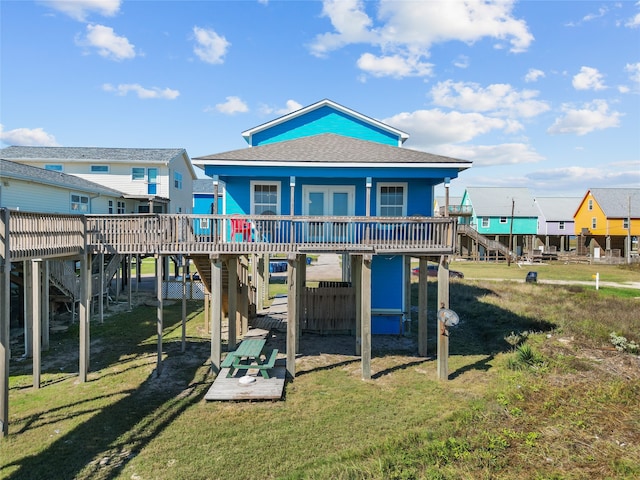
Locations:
{"points": [[79, 203], [278, 185], [561, 225], [503, 220], [484, 220], [405, 191], [594, 223]]}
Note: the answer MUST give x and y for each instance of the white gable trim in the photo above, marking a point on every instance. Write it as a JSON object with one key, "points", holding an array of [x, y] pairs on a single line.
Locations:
{"points": [[247, 134]]}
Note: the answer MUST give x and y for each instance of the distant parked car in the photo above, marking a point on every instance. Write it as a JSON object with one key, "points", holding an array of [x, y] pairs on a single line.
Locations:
{"points": [[432, 271]]}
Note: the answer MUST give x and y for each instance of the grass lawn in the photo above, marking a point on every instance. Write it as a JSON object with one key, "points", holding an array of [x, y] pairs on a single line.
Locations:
{"points": [[536, 391]]}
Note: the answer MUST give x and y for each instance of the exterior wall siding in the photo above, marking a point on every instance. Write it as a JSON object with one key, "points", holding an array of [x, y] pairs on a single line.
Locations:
{"points": [[324, 120], [583, 217], [553, 228], [36, 197], [521, 226], [181, 199]]}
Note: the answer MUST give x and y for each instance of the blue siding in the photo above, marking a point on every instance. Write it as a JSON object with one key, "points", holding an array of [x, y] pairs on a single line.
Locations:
{"points": [[387, 283], [521, 226], [324, 120]]}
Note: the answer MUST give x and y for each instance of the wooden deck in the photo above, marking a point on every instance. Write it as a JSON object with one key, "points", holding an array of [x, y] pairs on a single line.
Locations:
{"points": [[224, 388]]}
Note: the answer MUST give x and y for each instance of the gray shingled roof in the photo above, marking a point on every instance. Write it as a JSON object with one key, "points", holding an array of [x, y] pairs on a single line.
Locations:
{"points": [[558, 209], [20, 171], [203, 185], [497, 202], [615, 202], [329, 147], [84, 154]]}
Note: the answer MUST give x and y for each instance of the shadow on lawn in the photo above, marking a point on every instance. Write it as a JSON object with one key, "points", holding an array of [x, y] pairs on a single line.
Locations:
{"points": [[481, 332], [101, 446]]}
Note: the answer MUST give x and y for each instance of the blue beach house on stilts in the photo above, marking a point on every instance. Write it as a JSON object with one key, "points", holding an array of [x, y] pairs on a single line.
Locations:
{"points": [[326, 178]]}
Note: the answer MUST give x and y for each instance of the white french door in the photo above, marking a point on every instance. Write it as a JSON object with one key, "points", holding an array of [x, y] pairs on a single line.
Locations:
{"points": [[327, 200]]}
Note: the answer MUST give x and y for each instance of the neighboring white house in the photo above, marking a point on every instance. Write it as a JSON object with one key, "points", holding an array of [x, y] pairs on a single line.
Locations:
{"points": [[151, 179], [32, 189]]}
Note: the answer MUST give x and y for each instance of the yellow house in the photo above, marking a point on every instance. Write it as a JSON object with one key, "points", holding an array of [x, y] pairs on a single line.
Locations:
{"points": [[611, 217]]}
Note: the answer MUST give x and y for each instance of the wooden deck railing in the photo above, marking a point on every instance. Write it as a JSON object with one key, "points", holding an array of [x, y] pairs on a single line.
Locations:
{"points": [[41, 235]]}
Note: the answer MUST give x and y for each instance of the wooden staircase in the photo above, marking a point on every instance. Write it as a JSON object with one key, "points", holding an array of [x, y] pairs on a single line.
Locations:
{"points": [[490, 245]]}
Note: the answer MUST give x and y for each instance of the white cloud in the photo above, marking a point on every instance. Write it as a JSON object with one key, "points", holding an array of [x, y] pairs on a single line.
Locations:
{"points": [[232, 106], [634, 72], [394, 66], [350, 22], [210, 47], [33, 137], [109, 44], [588, 79], [290, 106], [80, 9], [492, 155], [578, 179], [533, 75], [144, 93], [461, 62], [434, 127], [634, 21], [580, 121], [499, 99], [409, 29]]}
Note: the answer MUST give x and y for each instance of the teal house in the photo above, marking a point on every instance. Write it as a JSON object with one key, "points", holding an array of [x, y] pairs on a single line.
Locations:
{"points": [[330, 162], [503, 212]]}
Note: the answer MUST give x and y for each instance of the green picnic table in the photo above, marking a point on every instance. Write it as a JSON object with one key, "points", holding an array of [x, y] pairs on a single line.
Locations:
{"points": [[250, 351]]}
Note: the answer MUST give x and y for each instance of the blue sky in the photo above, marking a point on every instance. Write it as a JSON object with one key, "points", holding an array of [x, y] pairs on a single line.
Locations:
{"points": [[541, 94]]}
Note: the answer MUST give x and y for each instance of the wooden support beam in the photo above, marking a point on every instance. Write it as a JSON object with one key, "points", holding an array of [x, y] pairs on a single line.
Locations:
{"points": [[27, 272], [129, 257], [292, 315], [36, 322], [422, 307], [356, 279], [215, 301], [183, 345], [159, 311], [5, 317], [365, 312], [232, 293], [101, 287], [443, 335], [44, 305], [301, 273], [84, 314]]}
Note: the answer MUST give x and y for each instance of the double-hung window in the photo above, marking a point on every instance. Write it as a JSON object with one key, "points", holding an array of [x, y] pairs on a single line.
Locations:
{"points": [[265, 198], [485, 222]]}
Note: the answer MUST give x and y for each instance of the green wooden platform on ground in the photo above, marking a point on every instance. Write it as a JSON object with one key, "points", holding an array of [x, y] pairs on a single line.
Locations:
{"points": [[272, 388]]}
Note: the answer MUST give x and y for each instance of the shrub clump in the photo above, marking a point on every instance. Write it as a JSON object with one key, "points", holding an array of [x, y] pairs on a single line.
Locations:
{"points": [[623, 345]]}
